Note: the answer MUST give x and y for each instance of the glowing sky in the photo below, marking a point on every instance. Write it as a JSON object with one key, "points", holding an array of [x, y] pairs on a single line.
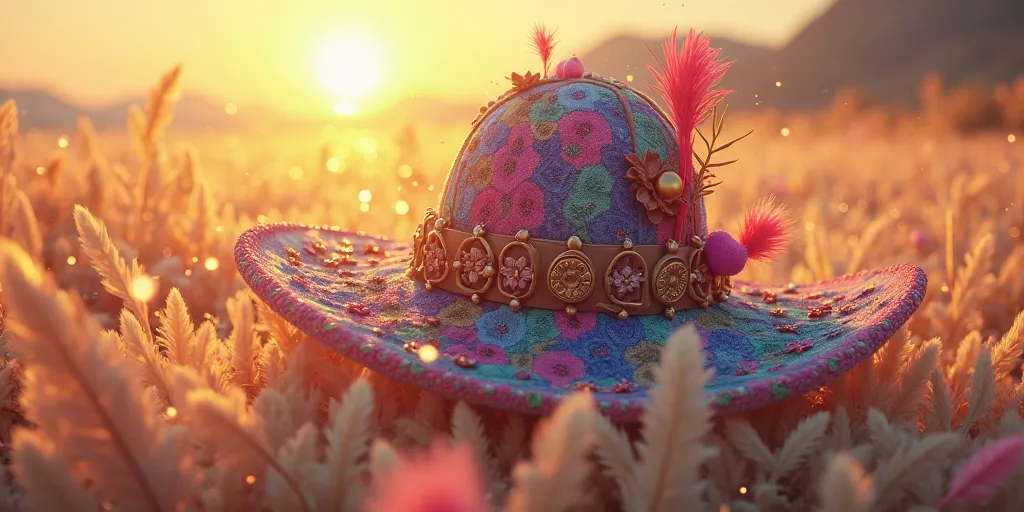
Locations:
{"points": [[269, 52]]}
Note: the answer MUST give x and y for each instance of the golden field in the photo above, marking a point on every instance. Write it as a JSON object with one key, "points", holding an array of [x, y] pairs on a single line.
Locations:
{"points": [[174, 391]]}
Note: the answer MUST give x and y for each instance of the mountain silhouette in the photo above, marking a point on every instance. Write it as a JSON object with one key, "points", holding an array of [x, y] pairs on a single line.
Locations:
{"points": [[42, 109], [882, 47]]}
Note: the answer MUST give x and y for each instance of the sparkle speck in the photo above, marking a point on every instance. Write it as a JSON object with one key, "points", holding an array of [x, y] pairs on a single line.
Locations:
{"points": [[1014, 232], [171, 412], [809, 226], [778, 84], [211, 263], [1011, 138], [72, 260], [743, 490], [295, 173], [364, 207], [401, 207], [365, 196], [261, 219], [404, 171], [428, 353], [143, 288], [629, 78], [63, 142], [40, 170], [230, 109], [785, 132], [251, 479], [843, 207]]}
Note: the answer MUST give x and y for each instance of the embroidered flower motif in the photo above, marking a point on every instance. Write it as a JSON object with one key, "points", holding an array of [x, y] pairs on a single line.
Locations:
{"points": [[434, 258], [515, 161], [460, 335], [582, 135], [490, 354], [560, 368], [501, 327], [461, 313], [798, 347], [574, 326], [643, 177], [517, 274], [626, 280], [473, 263]]}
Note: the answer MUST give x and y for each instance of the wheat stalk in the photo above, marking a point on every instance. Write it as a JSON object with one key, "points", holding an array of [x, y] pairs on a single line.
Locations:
{"points": [[553, 481], [130, 456]]}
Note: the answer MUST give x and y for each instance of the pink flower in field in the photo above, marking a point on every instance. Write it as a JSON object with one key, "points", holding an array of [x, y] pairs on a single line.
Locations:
{"points": [[444, 480]]}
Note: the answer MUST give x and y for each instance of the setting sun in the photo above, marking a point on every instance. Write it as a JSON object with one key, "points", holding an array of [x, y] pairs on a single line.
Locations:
{"points": [[350, 68]]}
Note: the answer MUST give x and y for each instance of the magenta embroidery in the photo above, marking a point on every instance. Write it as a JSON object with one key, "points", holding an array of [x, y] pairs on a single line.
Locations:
{"points": [[583, 135], [516, 160]]}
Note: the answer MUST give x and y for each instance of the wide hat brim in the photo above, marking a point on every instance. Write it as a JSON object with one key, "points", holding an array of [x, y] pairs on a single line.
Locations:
{"points": [[765, 343]]}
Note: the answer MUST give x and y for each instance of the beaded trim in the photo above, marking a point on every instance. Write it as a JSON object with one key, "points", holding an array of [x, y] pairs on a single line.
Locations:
{"points": [[576, 277]]}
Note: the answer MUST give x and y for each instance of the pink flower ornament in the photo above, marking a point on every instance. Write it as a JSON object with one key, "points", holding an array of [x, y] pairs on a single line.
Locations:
{"points": [[626, 280], [473, 264], [517, 274]]}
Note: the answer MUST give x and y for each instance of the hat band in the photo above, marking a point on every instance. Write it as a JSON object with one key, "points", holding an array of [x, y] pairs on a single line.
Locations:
{"points": [[524, 272]]}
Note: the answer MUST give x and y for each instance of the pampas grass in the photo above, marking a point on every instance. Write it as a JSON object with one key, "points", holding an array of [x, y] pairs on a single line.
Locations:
{"points": [[138, 373]]}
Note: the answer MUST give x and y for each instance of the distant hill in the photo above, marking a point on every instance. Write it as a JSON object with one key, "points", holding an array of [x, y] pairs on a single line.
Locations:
{"points": [[883, 47], [42, 109]]}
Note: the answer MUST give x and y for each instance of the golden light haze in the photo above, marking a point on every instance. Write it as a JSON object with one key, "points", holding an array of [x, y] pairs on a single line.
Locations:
{"points": [[271, 53]]}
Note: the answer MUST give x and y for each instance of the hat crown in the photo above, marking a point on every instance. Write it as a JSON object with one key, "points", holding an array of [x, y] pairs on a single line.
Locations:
{"points": [[551, 159]]}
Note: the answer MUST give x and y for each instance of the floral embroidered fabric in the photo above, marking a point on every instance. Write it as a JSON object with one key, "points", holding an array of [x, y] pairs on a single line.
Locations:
{"points": [[552, 160], [764, 343]]}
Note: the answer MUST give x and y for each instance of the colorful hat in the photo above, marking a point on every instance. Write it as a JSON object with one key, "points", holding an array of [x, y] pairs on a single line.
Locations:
{"points": [[569, 242]]}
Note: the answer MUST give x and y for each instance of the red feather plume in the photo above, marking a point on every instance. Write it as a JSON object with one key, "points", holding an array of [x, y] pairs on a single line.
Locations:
{"points": [[687, 81], [766, 230], [544, 44]]}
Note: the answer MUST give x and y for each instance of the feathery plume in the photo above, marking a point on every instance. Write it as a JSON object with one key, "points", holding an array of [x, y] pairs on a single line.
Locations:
{"points": [[117, 278], [553, 481], [766, 230], [845, 487], [544, 44], [687, 81], [176, 329], [347, 436], [117, 436], [238, 436]]}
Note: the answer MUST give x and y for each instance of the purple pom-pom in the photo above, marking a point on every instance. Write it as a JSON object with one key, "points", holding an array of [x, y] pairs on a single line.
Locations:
{"points": [[726, 257]]}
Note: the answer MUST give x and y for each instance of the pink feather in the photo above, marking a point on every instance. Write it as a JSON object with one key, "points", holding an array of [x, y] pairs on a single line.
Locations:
{"points": [[982, 476], [687, 81], [544, 43], [765, 230]]}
